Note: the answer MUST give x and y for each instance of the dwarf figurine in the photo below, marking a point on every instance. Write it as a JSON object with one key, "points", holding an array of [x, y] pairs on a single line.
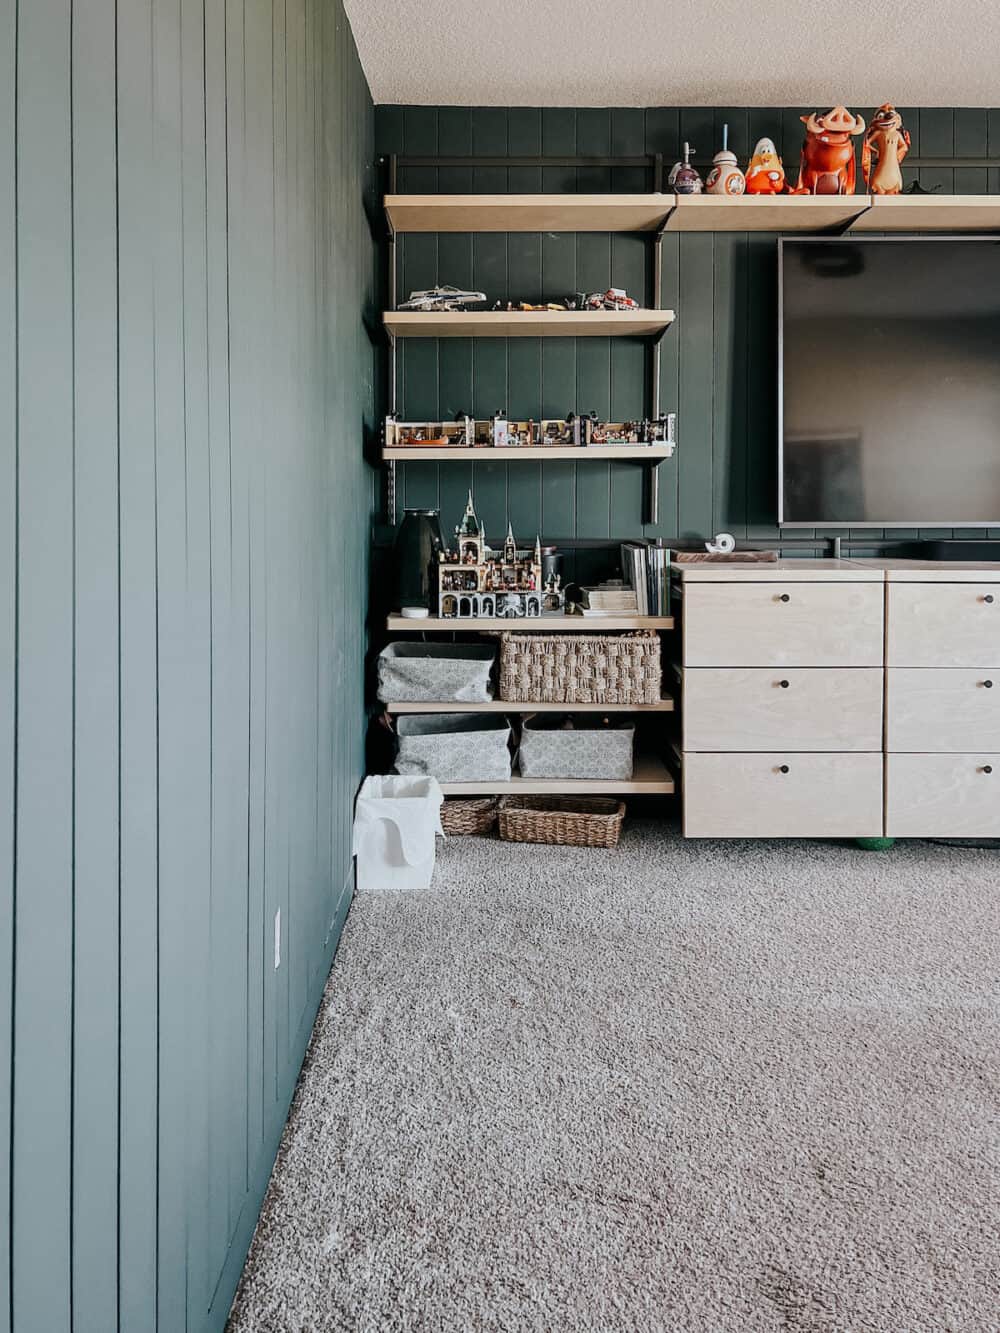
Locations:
{"points": [[827, 165], [765, 174], [885, 145]]}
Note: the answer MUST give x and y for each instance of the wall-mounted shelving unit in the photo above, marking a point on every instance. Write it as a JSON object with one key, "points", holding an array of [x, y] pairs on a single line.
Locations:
{"points": [[692, 213], [636, 453], [537, 624], [528, 323]]}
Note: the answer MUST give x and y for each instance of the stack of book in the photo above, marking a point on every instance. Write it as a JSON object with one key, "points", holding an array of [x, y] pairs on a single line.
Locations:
{"points": [[610, 599], [646, 566]]}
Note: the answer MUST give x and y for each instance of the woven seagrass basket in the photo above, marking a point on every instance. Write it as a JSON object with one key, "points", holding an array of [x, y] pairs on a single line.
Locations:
{"points": [[580, 821], [580, 668], [477, 815]]}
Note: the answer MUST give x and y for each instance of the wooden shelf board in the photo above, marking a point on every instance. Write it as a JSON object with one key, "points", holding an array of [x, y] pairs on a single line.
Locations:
{"points": [[651, 776], [501, 706], [931, 212], [697, 212], [527, 323], [535, 624], [526, 212], [645, 453], [757, 212]]}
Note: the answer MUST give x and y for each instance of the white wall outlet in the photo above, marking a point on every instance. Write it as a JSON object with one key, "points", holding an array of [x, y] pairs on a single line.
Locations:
{"points": [[277, 939]]}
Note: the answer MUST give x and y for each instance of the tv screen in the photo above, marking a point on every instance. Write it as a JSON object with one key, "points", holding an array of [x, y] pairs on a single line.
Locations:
{"points": [[890, 382]]}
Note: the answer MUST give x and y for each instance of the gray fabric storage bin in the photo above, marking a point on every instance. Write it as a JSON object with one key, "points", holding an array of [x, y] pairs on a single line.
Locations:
{"points": [[592, 749], [454, 747], [435, 673]]}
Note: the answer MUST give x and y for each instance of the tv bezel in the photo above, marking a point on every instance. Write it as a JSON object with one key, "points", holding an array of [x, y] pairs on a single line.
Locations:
{"points": [[843, 524]]}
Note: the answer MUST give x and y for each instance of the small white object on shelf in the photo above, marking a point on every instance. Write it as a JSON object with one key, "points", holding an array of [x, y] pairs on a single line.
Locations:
{"points": [[414, 612], [723, 544]]}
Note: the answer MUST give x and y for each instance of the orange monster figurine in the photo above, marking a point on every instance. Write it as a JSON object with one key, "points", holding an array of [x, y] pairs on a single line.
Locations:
{"points": [[827, 165], [765, 174], [885, 145]]}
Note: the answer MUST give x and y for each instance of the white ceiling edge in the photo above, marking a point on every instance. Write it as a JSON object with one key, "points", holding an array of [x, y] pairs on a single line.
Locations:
{"points": [[583, 53]]}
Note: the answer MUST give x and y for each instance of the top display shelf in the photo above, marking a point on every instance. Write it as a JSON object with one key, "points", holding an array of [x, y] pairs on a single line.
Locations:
{"points": [[691, 213]]}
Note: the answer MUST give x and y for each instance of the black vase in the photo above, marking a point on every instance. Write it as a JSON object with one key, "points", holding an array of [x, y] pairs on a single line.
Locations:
{"points": [[418, 543]]}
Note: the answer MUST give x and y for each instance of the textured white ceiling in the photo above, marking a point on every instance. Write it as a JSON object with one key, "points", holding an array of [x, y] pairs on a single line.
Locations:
{"points": [[668, 53]]}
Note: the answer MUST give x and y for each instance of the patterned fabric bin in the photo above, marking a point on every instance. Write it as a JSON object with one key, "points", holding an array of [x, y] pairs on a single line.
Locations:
{"points": [[435, 673], [580, 668], [588, 748], [454, 747]]}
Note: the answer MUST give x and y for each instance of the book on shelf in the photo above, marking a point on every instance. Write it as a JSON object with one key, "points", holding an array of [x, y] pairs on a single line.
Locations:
{"points": [[614, 598], [646, 568]]}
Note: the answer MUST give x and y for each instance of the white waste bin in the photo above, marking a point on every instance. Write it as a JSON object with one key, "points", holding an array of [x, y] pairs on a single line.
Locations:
{"points": [[396, 821]]}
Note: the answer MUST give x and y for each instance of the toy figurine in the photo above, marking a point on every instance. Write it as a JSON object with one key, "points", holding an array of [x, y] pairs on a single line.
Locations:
{"points": [[684, 178], [765, 174], [725, 176], [827, 165], [883, 148]]}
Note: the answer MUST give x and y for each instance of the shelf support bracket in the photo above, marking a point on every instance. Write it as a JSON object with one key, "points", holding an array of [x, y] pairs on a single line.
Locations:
{"points": [[651, 498]]}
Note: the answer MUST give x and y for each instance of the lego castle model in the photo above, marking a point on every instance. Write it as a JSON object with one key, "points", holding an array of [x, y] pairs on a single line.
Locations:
{"points": [[476, 581]]}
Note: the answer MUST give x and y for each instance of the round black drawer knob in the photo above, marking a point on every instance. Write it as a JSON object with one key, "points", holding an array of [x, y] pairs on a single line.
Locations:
{"points": [[988, 598], [987, 685], [785, 597], [987, 768], [783, 684], [783, 768]]}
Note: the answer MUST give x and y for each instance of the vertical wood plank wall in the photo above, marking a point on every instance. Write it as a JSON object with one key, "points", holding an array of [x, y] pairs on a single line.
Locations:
{"points": [[185, 384], [718, 361]]}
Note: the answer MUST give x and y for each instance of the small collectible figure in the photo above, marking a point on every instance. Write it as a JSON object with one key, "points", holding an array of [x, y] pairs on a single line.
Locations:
{"points": [[885, 145], [684, 178], [725, 176], [827, 165], [765, 174], [501, 438]]}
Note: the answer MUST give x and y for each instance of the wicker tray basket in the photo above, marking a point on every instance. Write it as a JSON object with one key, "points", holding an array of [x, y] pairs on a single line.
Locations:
{"points": [[580, 821], [478, 815], [580, 668]]}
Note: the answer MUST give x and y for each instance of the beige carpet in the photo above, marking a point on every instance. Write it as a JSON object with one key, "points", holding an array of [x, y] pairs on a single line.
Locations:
{"points": [[680, 1086]]}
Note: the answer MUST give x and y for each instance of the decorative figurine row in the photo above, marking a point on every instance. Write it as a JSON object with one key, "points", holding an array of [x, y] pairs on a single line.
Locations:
{"points": [[474, 580], [826, 164], [497, 432]]}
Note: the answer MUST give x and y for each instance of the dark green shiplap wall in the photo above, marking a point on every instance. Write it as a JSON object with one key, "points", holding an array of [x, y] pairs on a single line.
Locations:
{"points": [[719, 359], [184, 383]]}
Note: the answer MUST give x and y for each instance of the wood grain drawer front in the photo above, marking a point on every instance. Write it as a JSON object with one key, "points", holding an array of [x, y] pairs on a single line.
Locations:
{"points": [[949, 711], [943, 625], [942, 795], [783, 795], [783, 624], [764, 708]]}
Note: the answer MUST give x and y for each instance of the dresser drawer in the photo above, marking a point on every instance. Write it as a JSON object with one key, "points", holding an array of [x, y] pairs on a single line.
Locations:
{"points": [[783, 624], [949, 711], [942, 796], [943, 625], [763, 708], [750, 796]]}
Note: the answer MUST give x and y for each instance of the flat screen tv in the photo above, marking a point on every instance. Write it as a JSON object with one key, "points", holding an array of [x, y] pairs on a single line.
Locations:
{"points": [[889, 393]]}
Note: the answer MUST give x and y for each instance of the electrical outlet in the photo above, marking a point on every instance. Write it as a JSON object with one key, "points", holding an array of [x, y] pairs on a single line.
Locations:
{"points": [[277, 939]]}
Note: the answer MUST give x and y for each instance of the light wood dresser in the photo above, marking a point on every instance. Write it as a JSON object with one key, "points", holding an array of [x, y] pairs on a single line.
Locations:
{"points": [[839, 698]]}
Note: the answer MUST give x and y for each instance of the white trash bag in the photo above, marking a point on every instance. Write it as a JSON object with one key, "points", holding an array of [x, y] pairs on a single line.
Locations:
{"points": [[396, 821]]}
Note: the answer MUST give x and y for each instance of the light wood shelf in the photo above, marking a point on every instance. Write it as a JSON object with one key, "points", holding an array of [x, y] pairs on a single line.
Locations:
{"points": [[646, 453], [536, 624], [931, 212], [692, 213], [501, 706], [527, 323], [650, 777], [527, 212], [756, 212]]}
